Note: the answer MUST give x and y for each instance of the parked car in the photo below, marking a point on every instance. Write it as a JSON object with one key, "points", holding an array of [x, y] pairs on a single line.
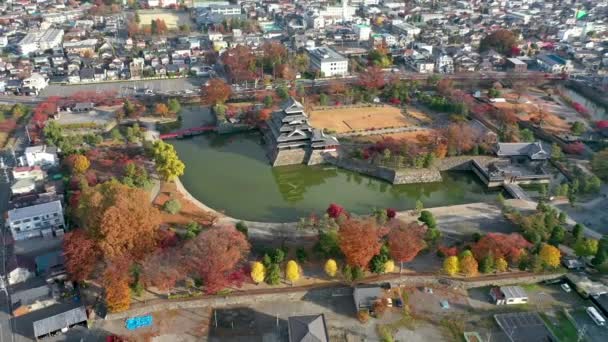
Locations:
{"points": [[566, 287]]}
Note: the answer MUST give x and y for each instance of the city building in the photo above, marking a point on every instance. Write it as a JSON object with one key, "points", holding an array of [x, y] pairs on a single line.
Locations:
{"points": [[225, 9], [307, 328], [65, 320], [25, 172], [554, 64], [36, 220], [516, 64], [40, 40], [363, 32], [41, 155], [327, 62], [292, 140]]}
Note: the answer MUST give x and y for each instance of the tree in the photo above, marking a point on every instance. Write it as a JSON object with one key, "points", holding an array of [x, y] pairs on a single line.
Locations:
{"points": [[214, 254], [161, 109], [599, 164], [557, 236], [172, 206], [468, 266], [80, 164], [258, 272], [451, 265], [405, 241], [460, 138], [419, 206], [240, 63], [549, 256], [328, 245], [115, 281], [526, 135], [372, 78], [501, 265], [500, 245], [80, 254], [428, 219], [331, 267], [167, 162], [577, 232], [577, 128], [216, 91], [334, 210], [282, 92], [556, 152], [389, 266], [292, 271], [162, 269], [359, 241], [120, 219], [501, 40], [323, 99], [274, 275], [602, 252], [268, 101], [586, 247], [174, 105], [487, 264]]}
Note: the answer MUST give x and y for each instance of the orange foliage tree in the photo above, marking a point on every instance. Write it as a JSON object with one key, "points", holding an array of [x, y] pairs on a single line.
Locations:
{"points": [[240, 63], [214, 254], [359, 241], [460, 138], [507, 246], [372, 78], [217, 91], [405, 241], [161, 109], [115, 281], [163, 269]]}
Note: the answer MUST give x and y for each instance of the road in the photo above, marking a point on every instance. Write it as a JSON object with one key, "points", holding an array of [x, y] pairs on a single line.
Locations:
{"points": [[6, 329]]}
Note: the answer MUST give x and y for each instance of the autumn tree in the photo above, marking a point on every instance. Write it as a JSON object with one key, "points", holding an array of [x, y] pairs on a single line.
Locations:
{"points": [[451, 265], [120, 219], [501, 265], [258, 272], [115, 281], [372, 78], [275, 54], [292, 271], [500, 245], [550, 256], [214, 254], [217, 91], [405, 241], [460, 138], [331, 267], [335, 210], [359, 241], [161, 109], [168, 164], [240, 63], [469, 266], [80, 254], [78, 163], [500, 40], [162, 269]]}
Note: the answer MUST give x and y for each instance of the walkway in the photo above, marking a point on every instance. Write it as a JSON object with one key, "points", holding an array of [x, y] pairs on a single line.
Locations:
{"points": [[517, 192], [382, 131]]}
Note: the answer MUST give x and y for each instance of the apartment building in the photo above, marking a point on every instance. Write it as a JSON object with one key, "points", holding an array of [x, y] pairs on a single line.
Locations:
{"points": [[328, 62], [35, 221]]}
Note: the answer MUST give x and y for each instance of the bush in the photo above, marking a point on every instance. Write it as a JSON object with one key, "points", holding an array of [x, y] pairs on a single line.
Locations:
{"points": [[242, 227], [172, 206], [363, 316], [274, 275], [301, 255]]}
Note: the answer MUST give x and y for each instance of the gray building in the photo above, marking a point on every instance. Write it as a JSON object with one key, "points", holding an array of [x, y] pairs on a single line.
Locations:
{"points": [[36, 220], [307, 328]]}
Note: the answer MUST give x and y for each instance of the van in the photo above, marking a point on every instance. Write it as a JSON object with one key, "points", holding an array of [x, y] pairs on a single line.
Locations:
{"points": [[595, 316]]}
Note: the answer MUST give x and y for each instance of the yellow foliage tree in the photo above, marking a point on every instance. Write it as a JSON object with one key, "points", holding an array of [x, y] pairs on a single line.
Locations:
{"points": [[389, 266], [550, 256], [451, 265], [501, 265], [292, 271], [81, 163], [258, 272], [331, 267], [469, 266]]}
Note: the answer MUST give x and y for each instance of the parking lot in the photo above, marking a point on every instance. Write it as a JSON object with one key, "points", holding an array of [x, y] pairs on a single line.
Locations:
{"points": [[593, 332]]}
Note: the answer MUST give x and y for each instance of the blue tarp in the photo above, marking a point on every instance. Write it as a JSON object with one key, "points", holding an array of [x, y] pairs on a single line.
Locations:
{"points": [[138, 322]]}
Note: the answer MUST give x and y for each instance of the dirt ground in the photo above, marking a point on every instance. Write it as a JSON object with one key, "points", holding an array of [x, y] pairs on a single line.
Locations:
{"points": [[343, 120], [407, 136], [189, 212], [172, 18]]}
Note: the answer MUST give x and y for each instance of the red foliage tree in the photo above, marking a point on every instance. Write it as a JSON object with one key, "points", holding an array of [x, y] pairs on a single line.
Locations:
{"points": [[359, 241], [214, 254], [575, 148], [460, 137], [405, 241], [335, 210], [162, 270], [508, 246], [448, 251], [372, 78], [80, 254], [602, 124], [115, 281], [166, 238], [391, 213], [240, 63]]}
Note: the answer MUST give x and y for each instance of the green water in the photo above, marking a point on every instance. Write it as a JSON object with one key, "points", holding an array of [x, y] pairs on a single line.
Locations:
{"points": [[231, 173]]}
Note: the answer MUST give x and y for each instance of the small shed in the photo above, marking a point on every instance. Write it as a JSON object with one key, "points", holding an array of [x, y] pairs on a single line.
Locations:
{"points": [[67, 319], [365, 296], [508, 295]]}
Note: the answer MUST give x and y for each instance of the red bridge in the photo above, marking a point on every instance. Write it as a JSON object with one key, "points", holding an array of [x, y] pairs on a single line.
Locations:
{"points": [[188, 132]]}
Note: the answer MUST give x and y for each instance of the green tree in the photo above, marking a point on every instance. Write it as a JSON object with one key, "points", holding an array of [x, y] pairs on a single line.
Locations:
{"points": [[53, 133], [167, 162], [577, 232], [556, 152], [557, 236], [602, 252], [586, 247], [599, 164], [116, 135], [273, 276], [487, 264], [172, 206], [174, 105], [577, 128], [323, 99], [427, 218], [419, 206], [526, 135], [282, 92], [268, 101]]}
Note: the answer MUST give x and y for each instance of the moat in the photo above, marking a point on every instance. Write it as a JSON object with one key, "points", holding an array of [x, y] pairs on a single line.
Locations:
{"points": [[232, 174]]}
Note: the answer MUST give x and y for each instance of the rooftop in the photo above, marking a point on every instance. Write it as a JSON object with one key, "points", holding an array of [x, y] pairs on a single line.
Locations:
{"points": [[307, 328], [34, 210], [60, 321], [325, 54]]}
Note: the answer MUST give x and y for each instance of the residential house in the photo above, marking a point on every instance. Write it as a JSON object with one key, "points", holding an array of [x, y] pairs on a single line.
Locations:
{"points": [[365, 296], [35, 83], [41, 155], [307, 328], [554, 64], [68, 319], [32, 299], [36, 220], [26, 172]]}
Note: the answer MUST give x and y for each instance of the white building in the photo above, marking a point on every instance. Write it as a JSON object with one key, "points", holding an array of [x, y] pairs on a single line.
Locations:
{"points": [[23, 186], [508, 295], [444, 64], [408, 30], [225, 9], [40, 40], [328, 62], [36, 220], [35, 82], [363, 32], [41, 155], [554, 64], [24, 172]]}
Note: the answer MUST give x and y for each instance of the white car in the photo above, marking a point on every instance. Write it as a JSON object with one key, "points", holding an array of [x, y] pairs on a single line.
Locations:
{"points": [[566, 287]]}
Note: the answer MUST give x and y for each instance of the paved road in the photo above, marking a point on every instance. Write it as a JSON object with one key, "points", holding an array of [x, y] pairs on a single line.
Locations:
{"points": [[125, 87], [6, 330]]}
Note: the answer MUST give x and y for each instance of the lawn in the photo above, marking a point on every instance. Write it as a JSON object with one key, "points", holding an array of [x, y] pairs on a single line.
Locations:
{"points": [[563, 329], [342, 120]]}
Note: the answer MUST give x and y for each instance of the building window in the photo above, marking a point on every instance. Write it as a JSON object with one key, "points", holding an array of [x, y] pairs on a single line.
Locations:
{"points": [[36, 218]]}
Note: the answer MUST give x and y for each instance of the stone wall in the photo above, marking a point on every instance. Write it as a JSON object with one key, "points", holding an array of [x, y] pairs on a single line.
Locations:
{"points": [[227, 127], [462, 163], [289, 157], [318, 157], [413, 176], [363, 168]]}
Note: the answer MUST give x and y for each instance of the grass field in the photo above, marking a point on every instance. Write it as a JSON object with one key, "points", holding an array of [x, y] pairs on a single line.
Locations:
{"points": [[343, 120], [563, 329], [172, 18]]}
